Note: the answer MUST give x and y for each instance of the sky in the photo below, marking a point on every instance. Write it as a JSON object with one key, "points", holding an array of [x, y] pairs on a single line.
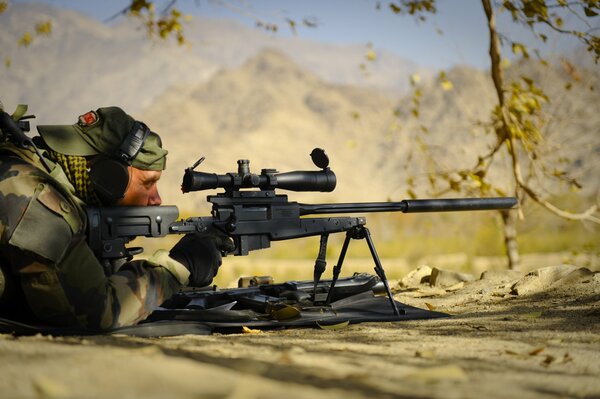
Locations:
{"points": [[456, 34]]}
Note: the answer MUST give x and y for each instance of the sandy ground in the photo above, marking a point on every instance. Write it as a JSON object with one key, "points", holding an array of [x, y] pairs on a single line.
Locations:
{"points": [[510, 335]]}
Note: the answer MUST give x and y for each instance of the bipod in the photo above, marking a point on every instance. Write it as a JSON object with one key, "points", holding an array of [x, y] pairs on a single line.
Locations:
{"points": [[358, 233]]}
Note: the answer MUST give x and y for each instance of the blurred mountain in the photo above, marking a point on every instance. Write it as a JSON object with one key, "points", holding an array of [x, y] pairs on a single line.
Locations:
{"points": [[273, 112], [85, 64]]}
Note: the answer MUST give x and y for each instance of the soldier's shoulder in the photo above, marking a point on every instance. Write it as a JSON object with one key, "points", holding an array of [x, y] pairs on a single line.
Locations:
{"points": [[34, 214], [19, 176]]}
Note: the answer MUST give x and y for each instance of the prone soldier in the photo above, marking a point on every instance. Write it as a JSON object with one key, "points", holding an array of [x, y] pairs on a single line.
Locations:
{"points": [[106, 158]]}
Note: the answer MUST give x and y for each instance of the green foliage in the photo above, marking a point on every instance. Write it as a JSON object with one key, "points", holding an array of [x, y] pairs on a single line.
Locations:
{"points": [[416, 8], [521, 114], [553, 15], [43, 28], [167, 24], [292, 24], [25, 40], [516, 120], [445, 83], [370, 56], [169, 21], [417, 94]]}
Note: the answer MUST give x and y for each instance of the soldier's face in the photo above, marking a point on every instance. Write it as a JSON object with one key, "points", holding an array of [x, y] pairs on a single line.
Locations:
{"points": [[142, 189]]}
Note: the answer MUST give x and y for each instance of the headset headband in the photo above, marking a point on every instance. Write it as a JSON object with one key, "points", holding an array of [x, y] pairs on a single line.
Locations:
{"points": [[133, 143]]}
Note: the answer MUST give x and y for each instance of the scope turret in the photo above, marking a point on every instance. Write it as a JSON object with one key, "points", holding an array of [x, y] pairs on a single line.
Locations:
{"points": [[322, 180]]}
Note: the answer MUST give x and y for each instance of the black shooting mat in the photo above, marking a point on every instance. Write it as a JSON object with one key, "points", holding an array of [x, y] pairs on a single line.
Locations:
{"points": [[269, 306], [360, 308]]}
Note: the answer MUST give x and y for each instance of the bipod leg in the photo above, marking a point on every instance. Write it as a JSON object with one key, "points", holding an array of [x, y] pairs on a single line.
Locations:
{"points": [[338, 267], [379, 269], [320, 264]]}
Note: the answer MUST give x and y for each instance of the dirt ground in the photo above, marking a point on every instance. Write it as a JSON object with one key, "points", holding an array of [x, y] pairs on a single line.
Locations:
{"points": [[509, 335]]}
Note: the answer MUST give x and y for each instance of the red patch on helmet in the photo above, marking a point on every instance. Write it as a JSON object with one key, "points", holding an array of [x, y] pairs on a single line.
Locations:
{"points": [[88, 119]]}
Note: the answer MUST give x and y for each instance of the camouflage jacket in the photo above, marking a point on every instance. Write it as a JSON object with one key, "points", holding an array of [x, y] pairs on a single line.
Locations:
{"points": [[43, 247]]}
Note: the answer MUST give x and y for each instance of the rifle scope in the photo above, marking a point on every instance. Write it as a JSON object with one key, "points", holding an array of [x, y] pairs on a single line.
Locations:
{"points": [[269, 179], [323, 180]]}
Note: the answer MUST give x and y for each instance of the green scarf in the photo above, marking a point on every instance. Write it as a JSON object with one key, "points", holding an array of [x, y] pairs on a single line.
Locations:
{"points": [[76, 169]]}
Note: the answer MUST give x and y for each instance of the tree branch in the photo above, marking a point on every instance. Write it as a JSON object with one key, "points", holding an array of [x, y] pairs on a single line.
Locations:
{"points": [[585, 215]]}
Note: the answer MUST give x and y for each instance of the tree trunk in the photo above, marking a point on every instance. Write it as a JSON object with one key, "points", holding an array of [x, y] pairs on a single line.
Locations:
{"points": [[509, 218], [509, 222]]}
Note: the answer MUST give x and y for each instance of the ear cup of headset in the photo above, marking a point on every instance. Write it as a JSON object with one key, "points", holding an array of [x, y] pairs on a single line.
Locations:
{"points": [[109, 178]]}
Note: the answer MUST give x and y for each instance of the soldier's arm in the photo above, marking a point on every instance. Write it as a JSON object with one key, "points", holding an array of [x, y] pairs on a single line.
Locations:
{"points": [[65, 284]]}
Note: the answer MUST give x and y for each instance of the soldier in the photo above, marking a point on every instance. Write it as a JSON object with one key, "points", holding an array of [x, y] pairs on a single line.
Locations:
{"points": [[106, 158]]}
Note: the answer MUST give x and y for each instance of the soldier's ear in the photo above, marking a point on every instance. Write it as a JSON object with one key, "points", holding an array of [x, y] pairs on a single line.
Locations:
{"points": [[109, 178]]}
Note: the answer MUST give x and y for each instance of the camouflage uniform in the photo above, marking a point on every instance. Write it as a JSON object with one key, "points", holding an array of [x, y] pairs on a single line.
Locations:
{"points": [[43, 249]]}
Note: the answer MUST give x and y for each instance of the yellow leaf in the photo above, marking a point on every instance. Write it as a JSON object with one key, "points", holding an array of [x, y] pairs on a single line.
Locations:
{"points": [[415, 78], [532, 315], [447, 85], [371, 55], [44, 28], [286, 312], [559, 22], [47, 387], [338, 326], [549, 359], [25, 40], [247, 330], [536, 351], [430, 306]]}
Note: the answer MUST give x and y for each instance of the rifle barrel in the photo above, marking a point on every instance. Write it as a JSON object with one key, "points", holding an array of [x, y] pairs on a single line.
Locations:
{"points": [[412, 206]]}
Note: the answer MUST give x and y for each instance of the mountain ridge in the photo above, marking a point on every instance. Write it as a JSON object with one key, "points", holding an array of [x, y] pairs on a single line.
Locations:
{"points": [[119, 65], [273, 112]]}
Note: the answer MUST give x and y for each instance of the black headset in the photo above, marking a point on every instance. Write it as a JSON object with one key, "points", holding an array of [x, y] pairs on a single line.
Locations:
{"points": [[108, 172]]}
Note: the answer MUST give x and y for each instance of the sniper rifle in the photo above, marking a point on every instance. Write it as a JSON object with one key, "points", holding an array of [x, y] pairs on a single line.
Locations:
{"points": [[252, 215]]}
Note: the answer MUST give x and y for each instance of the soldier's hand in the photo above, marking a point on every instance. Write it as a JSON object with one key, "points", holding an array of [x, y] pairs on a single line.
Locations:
{"points": [[201, 255], [224, 243]]}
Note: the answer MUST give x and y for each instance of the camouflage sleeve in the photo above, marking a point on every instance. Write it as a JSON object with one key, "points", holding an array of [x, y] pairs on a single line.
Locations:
{"points": [[63, 281], [75, 292]]}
